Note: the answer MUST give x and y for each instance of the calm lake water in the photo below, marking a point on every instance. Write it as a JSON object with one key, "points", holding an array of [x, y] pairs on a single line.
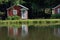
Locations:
{"points": [[26, 32]]}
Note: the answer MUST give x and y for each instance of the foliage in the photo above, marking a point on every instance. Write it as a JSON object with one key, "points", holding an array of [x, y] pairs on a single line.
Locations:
{"points": [[35, 7], [17, 2], [1, 1], [1, 13], [9, 17], [15, 17], [55, 16]]}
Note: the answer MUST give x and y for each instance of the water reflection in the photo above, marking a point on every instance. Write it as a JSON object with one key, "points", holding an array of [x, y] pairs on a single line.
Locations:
{"points": [[12, 31], [29, 33], [20, 32], [24, 30], [57, 31]]}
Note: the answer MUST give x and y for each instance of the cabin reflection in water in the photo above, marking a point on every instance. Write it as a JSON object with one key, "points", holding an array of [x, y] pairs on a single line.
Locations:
{"points": [[24, 30], [18, 32], [57, 31]]}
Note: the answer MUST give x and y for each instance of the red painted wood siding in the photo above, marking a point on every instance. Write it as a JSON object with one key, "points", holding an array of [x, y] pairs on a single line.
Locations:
{"points": [[56, 9], [18, 10], [10, 11]]}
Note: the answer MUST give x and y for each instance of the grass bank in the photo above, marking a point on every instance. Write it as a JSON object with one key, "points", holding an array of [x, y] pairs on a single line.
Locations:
{"points": [[35, 22]]}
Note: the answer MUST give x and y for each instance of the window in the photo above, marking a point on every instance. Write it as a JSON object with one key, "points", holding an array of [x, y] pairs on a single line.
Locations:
{"points": [[14, 12], [23, 13], [58, 10]]}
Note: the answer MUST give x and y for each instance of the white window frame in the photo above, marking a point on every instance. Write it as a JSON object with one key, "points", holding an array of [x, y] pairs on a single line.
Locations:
{"points": [[14, 12], [23, 14], [58, 10]]}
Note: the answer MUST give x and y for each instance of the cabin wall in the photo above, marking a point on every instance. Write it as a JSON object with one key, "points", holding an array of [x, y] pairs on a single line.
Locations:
{"points": [[53, 11], [56, 10], [18, 10], [26, 14], [10, 11]]}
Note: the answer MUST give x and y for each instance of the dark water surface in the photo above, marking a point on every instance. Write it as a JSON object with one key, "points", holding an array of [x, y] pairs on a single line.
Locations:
{"points": [[30, 33]]}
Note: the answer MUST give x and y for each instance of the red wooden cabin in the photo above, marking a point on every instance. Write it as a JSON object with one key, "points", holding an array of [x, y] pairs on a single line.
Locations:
{"points": [[19, 10], [56, 10]]}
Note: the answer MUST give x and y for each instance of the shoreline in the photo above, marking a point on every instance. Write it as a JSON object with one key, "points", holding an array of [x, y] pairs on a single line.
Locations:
{"points": [[35, 22]]}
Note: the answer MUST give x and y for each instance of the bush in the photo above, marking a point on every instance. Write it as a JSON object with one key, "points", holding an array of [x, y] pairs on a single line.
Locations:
{"points": [[35, 22], [55, 16], [9, 17], [15, 17], [48, 22]]}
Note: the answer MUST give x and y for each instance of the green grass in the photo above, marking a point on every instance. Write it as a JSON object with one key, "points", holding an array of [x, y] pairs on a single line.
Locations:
{"points": [[35, 22]]}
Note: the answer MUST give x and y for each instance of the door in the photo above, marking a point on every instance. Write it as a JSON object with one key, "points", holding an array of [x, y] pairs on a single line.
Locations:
{"points": [[23, 14]]}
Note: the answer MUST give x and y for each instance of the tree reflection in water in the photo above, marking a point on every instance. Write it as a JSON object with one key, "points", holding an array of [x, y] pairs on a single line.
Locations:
{"points": [[35, 33]]}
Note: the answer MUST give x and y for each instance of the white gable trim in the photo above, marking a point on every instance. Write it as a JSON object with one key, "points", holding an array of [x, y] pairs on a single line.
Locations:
{"points": [[23, 7], [18, 5], [56, 6]]}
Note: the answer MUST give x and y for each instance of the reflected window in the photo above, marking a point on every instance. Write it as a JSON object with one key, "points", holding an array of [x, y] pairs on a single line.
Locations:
{"points": [[59, 30]]}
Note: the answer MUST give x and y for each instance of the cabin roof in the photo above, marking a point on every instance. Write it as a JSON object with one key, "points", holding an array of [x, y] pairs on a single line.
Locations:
{"points": [[56, 6], [18, 5]]}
